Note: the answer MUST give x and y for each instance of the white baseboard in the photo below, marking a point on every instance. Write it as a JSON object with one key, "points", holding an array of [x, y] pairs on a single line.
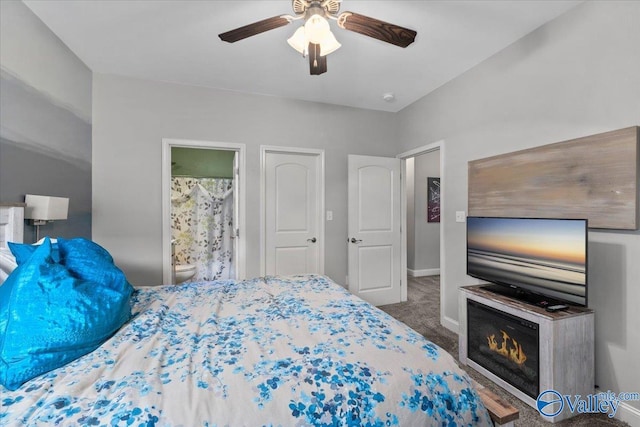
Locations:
{"points": [[450, 324], [628, 414], [424, 272]]}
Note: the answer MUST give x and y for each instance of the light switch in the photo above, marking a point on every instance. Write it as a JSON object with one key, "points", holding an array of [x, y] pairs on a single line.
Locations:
{"points": [[329, 215], [460, 216]]}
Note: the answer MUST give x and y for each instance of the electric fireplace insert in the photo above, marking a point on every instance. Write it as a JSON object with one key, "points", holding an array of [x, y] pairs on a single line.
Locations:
{"points": [[505, 345]]}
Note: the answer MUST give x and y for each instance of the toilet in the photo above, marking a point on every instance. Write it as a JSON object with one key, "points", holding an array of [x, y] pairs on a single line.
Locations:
{"points": [[185, 272]]}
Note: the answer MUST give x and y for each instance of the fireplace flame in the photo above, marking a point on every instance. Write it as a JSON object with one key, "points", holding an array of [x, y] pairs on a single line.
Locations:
{"points": [[512, 352]]}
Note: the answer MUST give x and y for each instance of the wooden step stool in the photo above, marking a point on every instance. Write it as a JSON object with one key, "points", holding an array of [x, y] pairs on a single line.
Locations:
{"points": [[501, 412]]}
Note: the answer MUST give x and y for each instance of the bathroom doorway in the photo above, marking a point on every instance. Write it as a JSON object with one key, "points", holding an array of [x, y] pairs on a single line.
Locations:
{"points": [[203, 211]]}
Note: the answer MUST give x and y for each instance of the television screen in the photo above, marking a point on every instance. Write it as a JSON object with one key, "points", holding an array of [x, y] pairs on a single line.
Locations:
{"points": [[544, 256]]}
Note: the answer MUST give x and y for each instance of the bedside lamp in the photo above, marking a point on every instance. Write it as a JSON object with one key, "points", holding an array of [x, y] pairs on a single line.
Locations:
{"points": [[43, 209]]}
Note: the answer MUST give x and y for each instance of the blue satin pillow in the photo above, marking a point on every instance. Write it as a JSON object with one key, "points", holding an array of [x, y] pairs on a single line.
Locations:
{"points": [[89, 261], [49, 317], [22, 251]]}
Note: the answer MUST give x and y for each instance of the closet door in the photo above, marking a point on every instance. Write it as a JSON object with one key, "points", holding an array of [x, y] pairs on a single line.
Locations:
{"points": [[293, 213]]}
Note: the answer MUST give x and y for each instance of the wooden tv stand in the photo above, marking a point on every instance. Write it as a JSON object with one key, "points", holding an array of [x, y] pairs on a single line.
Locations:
{"points": [[566, 345]]}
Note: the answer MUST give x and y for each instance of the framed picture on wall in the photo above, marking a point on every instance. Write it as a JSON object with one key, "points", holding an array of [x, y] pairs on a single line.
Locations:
{"points": [[433, 199]]}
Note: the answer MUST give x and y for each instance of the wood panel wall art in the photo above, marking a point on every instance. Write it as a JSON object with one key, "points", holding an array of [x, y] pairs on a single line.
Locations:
{"points": [[595, 177]]}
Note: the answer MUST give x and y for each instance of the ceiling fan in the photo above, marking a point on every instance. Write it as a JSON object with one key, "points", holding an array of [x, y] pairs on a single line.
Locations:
{"points": [[314, 39]]}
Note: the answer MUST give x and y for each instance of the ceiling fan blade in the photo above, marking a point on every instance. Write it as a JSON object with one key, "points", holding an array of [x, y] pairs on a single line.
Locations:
{"points": [[377, 29], [253, 29], [317, 63]]}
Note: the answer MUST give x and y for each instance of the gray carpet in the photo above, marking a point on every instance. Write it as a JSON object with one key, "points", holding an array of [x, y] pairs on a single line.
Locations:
{"points": [[422, 313]]}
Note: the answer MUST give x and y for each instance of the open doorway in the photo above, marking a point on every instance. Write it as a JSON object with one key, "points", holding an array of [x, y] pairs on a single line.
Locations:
{"points": [[203, 211], [202, 219], [423, 244], [422, 185]]}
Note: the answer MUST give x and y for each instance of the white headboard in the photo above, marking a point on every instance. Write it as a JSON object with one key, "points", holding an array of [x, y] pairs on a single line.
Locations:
{"points": [[11, 223]]}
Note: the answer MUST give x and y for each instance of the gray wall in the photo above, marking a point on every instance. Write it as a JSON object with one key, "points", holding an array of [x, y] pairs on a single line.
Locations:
{"points": [[131, 118], [45, 120], [573, 77]]}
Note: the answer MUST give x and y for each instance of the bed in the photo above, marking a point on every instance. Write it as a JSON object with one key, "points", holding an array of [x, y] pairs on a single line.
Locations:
{"points": [[279, 351], [284, 351]]}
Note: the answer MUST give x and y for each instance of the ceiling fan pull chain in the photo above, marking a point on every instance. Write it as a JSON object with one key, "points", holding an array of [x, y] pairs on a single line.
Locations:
{"points": [[315, 55]]}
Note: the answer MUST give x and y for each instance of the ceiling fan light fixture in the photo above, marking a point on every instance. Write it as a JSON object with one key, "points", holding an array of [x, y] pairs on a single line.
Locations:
{"points": [[316, 29], [325, 38], [314, 39], [329, 44], [299, 41]]}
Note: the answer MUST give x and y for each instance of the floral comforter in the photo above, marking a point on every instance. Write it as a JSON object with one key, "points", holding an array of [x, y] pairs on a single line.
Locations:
{"points": [[267, 351]]}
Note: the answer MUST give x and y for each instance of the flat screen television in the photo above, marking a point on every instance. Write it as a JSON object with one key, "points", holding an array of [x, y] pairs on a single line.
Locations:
{"points": [[543, 261]]}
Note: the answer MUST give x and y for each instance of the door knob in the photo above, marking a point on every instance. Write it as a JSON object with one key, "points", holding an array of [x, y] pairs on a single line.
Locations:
{"points": [[312, 240], [354, 240]]}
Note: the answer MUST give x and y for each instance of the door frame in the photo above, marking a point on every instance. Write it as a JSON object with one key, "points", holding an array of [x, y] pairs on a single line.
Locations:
{"points": [[319, 153], [447, 322], [240, 149]]}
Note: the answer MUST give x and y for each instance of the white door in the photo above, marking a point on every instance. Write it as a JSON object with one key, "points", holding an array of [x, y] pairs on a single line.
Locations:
{"points": [[235, 233], [374, 229], [293, 212]]}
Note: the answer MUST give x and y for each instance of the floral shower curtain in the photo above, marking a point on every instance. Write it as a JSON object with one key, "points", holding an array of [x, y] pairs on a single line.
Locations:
{"points": [[202, 224]]}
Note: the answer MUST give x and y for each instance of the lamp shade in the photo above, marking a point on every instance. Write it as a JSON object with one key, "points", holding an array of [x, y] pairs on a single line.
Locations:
{"points": [[298, 41], [329, 44], [325, 38], [46, 208], [316, 28]]}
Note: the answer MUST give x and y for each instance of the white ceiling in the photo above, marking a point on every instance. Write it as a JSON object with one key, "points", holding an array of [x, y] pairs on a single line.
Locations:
{"points": [[177, 41]]}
